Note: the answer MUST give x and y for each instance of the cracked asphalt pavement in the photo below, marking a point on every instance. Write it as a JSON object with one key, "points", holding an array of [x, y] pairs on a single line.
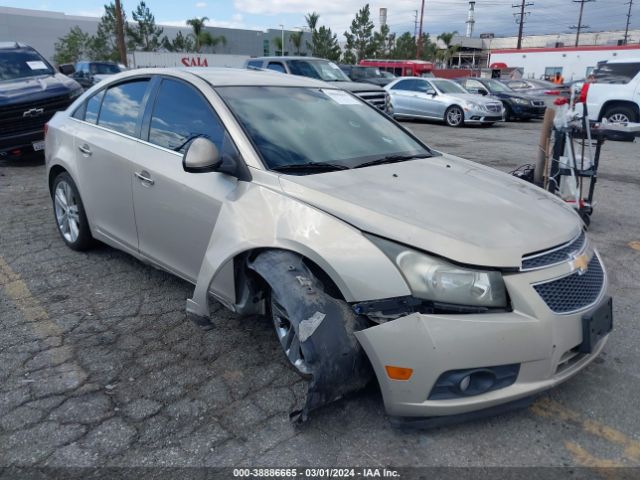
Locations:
{"points": [[100, 367]]}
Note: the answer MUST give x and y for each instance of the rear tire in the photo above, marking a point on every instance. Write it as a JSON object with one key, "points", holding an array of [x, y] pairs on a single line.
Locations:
{"points": [[69, 213], [620, 114], [454, 116]]}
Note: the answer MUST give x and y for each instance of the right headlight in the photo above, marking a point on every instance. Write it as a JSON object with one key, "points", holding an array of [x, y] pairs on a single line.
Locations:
{"points": [[432, 278]]}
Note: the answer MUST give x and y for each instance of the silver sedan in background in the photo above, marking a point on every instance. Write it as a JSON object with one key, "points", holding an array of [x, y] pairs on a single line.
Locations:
{"points": [[441, 99]]}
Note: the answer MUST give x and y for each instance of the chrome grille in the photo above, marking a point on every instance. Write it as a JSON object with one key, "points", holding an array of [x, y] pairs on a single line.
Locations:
{"points": [[494, 107], [375, 97], [573, 292], [537, 103], [554, 256]]}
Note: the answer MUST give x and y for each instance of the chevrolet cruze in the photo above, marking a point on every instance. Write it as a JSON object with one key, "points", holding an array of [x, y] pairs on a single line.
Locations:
{"points": [[461, 288]]}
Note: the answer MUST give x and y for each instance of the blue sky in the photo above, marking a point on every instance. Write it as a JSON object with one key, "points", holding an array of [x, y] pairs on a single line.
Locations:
{"points": [[547, 16]]}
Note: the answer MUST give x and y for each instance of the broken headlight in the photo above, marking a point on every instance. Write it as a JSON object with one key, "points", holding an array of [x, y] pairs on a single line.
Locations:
{"points": [[435, 279]]}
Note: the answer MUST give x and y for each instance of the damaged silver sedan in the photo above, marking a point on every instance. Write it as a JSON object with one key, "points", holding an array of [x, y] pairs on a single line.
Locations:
{"points": [[461, 288]]}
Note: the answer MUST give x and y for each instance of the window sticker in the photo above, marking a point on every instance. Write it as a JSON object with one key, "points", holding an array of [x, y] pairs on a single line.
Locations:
{"points": [[341, 97], [37, 65]]}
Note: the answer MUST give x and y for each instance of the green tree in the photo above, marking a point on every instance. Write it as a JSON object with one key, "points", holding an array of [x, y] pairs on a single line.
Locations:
{"points": [[360, 35], [145, 34], [384, 42], [202, 37], [447, 53], [103, 45], [277, 43], [295, 39], [327, 44], [72, 47], [348, 57], [181, 43], [405, 47], [312, 22]]}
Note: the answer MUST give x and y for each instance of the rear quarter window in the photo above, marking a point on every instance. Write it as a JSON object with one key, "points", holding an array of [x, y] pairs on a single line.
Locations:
{"points": [[90, 109], [121, 106], [616, 73]]}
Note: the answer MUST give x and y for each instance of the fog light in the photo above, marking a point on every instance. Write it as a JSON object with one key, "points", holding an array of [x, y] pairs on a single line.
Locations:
{"points": [[464, 383], [473, 381]]}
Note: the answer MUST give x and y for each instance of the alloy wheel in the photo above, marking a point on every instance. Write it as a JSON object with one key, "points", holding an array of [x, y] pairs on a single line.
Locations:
{"points": [[619, 118], [288, 338], [67, 213], [454, 116]]}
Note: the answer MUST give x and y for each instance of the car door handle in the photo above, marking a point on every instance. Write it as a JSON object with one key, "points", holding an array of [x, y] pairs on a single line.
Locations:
{"points": [[85, 149], [144, 177]]}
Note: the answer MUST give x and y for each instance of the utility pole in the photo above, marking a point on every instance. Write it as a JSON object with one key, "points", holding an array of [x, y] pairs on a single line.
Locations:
{"points": [[282, 39], [626, 29], [415, 25], [120, 34], [580, 26], [419, 45], [520, 19]]}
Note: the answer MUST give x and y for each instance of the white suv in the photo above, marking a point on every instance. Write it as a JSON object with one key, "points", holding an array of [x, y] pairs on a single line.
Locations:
{"points": [[614, 93]]}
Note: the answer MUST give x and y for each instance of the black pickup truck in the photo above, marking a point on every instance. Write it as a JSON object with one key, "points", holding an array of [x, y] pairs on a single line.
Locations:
{"points": [[31, 91]]}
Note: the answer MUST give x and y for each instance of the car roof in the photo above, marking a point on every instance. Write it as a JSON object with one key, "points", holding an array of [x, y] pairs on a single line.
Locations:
{"points": [[14, 46], [293, 57], [222, 76], [624, 60]]}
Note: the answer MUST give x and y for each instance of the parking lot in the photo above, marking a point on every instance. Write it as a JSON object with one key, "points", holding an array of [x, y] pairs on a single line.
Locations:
{"points": [[99, 365]]}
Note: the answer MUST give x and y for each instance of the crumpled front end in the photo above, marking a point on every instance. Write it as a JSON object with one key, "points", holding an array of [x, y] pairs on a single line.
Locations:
{"points": [[506, 355]]}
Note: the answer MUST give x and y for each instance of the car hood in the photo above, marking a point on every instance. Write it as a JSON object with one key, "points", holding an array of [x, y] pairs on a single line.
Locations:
{"points": [[445, 205], [355, 86], [36, 88]]}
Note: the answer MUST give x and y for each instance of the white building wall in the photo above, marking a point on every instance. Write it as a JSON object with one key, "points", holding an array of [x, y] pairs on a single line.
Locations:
{"points": [[574, 63], [169, 59], [568, 39]]}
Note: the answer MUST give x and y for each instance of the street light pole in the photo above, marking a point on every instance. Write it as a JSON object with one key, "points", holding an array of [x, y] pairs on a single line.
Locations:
{"points": [[282, 40]]}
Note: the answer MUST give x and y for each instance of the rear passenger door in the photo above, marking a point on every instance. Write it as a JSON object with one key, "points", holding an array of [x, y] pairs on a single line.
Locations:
{"points": [[402, 96], [176, 211], [106, 140]]}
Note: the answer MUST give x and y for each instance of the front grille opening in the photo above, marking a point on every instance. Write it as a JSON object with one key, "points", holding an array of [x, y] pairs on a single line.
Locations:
{"points": [[555, 255], [573, 292]]}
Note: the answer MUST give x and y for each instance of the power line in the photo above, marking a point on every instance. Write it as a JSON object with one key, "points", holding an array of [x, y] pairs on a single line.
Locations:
{"points": [[580, 26], [520, 19], [626, 29]]}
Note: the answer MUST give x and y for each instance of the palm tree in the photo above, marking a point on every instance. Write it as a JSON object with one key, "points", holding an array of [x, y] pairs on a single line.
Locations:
{"points": [[278, 44], [296, 40], [312, 20], [449, 50], [197, 24]]}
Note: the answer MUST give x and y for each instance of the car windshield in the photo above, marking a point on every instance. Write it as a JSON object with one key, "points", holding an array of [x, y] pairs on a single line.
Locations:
{"points": [[303, 126], [371, 72], [496, 86], [16, 64], [104, 68], [447, 86], [320, 69]]}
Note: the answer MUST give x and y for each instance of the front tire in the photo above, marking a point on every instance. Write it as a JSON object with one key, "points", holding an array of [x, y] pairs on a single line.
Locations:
{"points": [[69, 213], [454, 116]]}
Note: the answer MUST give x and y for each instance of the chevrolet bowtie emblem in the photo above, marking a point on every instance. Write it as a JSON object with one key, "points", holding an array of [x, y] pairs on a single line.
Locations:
{"points": [[580, 263], [33, 112]]}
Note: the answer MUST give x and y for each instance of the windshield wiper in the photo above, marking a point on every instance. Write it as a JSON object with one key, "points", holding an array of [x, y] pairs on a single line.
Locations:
{"points": [[392, 159], [310, 166]]}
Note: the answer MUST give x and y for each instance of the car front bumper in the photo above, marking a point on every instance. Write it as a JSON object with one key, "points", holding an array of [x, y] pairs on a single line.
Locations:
{"points": [[528, 111], [544, 345], [482, 116], [17, 145]]}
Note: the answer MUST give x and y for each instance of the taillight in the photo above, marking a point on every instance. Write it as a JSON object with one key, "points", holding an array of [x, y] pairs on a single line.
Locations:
{"points": [[552, 92], [584, 92], [46, 129]]}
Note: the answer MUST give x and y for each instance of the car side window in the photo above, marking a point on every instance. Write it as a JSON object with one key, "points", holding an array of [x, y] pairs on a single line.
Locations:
{"points": [[403, 85], [180, 115], [276, 66], [517, 84], [422, 86], [93, 107], [121, 106], [255, 63]]}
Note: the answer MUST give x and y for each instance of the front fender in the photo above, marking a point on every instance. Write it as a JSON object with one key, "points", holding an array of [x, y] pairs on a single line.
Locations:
{"points": [[259, 217]]}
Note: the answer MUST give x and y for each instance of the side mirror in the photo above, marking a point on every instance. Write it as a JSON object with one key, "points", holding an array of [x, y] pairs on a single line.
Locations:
{"points": [[67, 69], [483, 92], [431, 92], [201, 156]]}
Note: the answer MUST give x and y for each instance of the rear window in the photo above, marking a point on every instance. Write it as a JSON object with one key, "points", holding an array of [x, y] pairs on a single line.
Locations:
{"points": [[617, 73], [121, 106]]}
